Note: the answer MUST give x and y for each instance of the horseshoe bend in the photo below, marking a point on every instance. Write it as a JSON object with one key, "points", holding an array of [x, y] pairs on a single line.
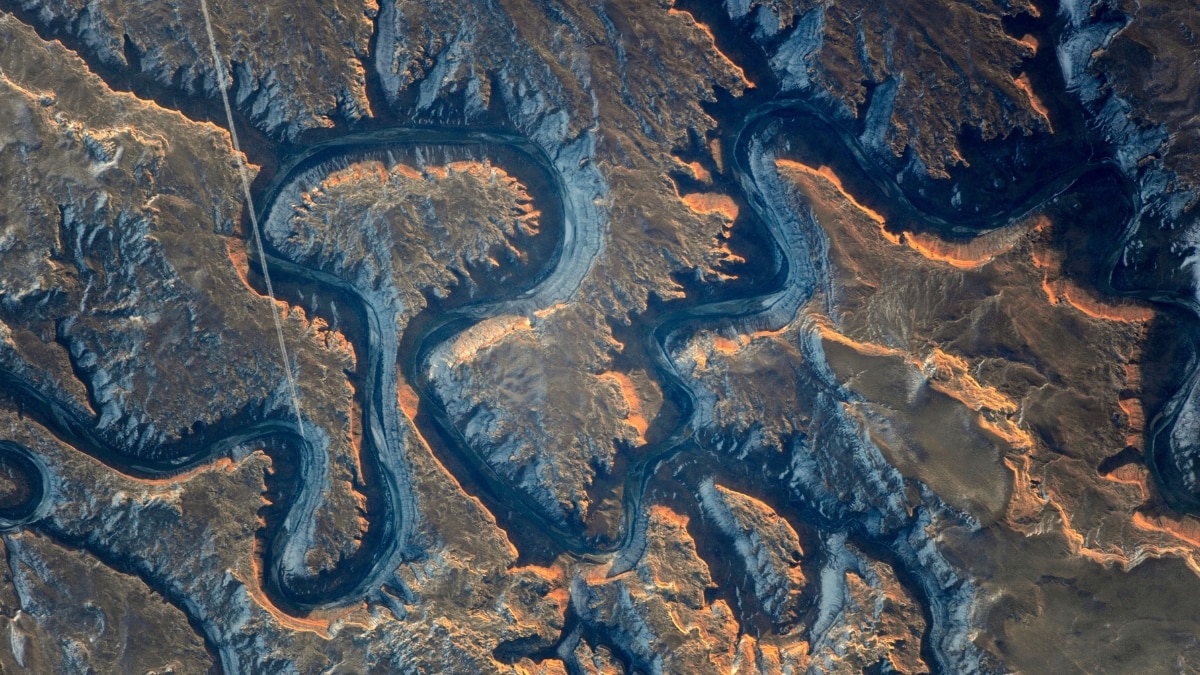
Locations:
{"points": [[599, 337]]}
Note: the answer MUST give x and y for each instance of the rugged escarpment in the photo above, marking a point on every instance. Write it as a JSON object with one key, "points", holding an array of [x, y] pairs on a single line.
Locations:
{"points": [[1005, 420], [138, 262], [769, 547], [77, 612], [1148, 64], [757, 336], [1123, 83], [162, 48], [911, 78]]}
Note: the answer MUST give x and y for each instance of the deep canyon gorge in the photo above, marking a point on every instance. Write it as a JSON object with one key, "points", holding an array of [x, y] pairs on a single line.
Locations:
{"points": [[755, 336]]}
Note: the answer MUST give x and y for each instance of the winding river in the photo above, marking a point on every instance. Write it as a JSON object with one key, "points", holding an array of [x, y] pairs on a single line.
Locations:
{"points": [[792, 238]]}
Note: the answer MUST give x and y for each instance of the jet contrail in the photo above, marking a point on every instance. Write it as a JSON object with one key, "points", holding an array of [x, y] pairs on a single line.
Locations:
{"points": [[223, 84]]}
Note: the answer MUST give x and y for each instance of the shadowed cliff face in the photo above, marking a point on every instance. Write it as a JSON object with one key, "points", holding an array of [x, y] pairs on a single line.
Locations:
{"points": [[1149, 63], [163, 48], [757, 336], [913, 76]]}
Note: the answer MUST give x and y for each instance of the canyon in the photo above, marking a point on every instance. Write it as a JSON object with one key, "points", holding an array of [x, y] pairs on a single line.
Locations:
{"points": [[677, 337]]}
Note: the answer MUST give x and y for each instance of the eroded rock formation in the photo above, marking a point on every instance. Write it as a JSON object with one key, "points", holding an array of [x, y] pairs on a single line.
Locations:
{"points": [[674, 337]]}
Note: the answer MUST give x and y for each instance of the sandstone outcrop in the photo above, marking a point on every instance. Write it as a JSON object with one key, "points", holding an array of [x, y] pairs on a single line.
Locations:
{"points": [[759, 336]]}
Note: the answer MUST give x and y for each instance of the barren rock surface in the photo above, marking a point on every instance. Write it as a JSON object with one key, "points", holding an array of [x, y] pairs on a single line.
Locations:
{"points": [[272, 52], [764, 336], [72, 611]]}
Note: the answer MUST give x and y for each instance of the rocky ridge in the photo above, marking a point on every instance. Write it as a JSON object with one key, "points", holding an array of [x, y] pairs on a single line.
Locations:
{"points": [[892, 395]]}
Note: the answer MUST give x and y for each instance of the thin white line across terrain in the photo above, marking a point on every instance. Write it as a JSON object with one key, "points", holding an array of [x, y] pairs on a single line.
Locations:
{"points": [[223, 84]]}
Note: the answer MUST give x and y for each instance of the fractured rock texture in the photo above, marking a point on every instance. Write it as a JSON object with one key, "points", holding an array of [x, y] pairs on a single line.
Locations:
{"points": [[766, 336]]}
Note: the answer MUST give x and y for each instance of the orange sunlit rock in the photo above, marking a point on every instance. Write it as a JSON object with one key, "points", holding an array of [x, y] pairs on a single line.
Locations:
{"points": [[695, 170], [1135, 420], [240, 260], [408, 399], [714, 149], [977, 252], [1026, 87], [1132, 474], [798, 171], [485, 334], [870, 349], [712, 202], [771, 655], [633, 402], [1183, 531], [667, 588], [221, 464], [1025, 507], [726, 345], [319, 622], [1086, 302], [543, 313], [712, 43], [1044, 498], [951, 375], [1060, 289]]}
